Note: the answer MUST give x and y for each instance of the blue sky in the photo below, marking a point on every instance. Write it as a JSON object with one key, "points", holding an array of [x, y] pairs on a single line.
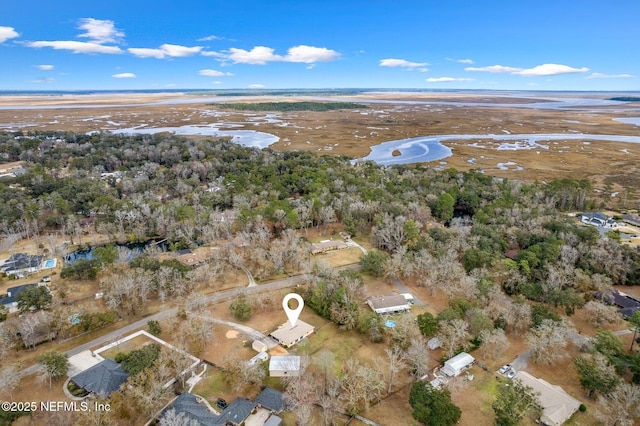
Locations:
{"points": [[444, 44]]}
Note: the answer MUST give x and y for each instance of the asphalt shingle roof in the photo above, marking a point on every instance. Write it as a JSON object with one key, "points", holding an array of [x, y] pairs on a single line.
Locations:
{"points": [[188, 404], [271, 399], [102, 379]]}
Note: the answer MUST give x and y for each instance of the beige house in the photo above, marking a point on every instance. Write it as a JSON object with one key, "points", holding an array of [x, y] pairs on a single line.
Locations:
{"points": [[557, 405], [391, 304], [328, 245], [288, 336]]}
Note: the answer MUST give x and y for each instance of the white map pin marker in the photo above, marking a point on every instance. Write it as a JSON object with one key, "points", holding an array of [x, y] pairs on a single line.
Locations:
{"points": [[292, 314]]}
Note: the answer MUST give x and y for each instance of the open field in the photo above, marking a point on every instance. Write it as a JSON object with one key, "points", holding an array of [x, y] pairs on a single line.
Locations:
{"points": [[352, 132]]}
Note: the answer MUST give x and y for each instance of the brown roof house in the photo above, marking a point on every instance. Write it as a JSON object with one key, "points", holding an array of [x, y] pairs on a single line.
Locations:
{"points": [[391, 304], [288, 336], [327, 245]]}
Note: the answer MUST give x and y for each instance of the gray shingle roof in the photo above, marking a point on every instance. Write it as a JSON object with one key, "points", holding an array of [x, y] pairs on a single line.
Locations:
{"points": [[188, 404], [271, 399], [236, 412], [13, 292], [102, 379]]}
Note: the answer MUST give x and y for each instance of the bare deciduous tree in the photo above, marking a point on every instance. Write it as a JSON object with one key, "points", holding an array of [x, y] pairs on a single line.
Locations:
{"points": [[600, 314], [171, 418], [361, 385], [621, 407], [396, 364], [547, 341], [494, 343], [417, 356], [9, 379], [241, 374], [453, 334]]}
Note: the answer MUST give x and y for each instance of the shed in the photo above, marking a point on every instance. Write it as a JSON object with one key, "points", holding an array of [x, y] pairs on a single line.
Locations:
{"points": [[259, 346], [284, 366], [260, 356], [557, 405], [456, 365], [433, 343]]}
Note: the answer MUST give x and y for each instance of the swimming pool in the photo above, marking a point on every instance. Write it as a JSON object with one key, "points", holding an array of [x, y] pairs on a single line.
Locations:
{"points": [[50, 263]]}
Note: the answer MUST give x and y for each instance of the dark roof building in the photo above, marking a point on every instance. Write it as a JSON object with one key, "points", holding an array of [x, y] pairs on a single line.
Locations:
{"points": [[626, 304], [597, 219], [271, 399], [236, 413], [21, 261], [102, 379], [194, 408], [12, 292], [189, 406]]}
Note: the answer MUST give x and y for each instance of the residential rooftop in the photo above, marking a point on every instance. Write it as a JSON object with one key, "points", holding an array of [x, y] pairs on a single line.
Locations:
{"points": [[102, 379], [289, 336]]}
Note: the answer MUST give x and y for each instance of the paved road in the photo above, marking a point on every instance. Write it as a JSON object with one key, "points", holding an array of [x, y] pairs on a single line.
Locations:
{"points": [[118, 334], [121, 332]]}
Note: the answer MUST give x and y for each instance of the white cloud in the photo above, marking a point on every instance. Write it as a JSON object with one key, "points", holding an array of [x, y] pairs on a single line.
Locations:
{"points": [[465, 61], [216, 82], [6, 33], [600, 75], [213, 73], [540, 70], [175, 50], [124, 75], [210, 38], [402, 63], [143, 52], [171, 50], [100, 31], [495, 69], [256, 86], [311, 54], [45, 67], [550, 69], [447, 79], [260, 55], [77, 46]]}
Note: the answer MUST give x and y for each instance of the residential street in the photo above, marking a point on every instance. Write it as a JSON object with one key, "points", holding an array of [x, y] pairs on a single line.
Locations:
{"points": [[121, 332]]}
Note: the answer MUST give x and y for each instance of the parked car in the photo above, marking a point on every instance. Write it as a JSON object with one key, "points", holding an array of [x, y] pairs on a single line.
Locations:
{"points": [[504, 369], [46, 279], [221, 403], [511, 374]]}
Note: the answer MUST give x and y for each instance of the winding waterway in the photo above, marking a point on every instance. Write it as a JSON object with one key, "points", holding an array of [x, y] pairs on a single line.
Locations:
{"points": [[430, 148]]}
